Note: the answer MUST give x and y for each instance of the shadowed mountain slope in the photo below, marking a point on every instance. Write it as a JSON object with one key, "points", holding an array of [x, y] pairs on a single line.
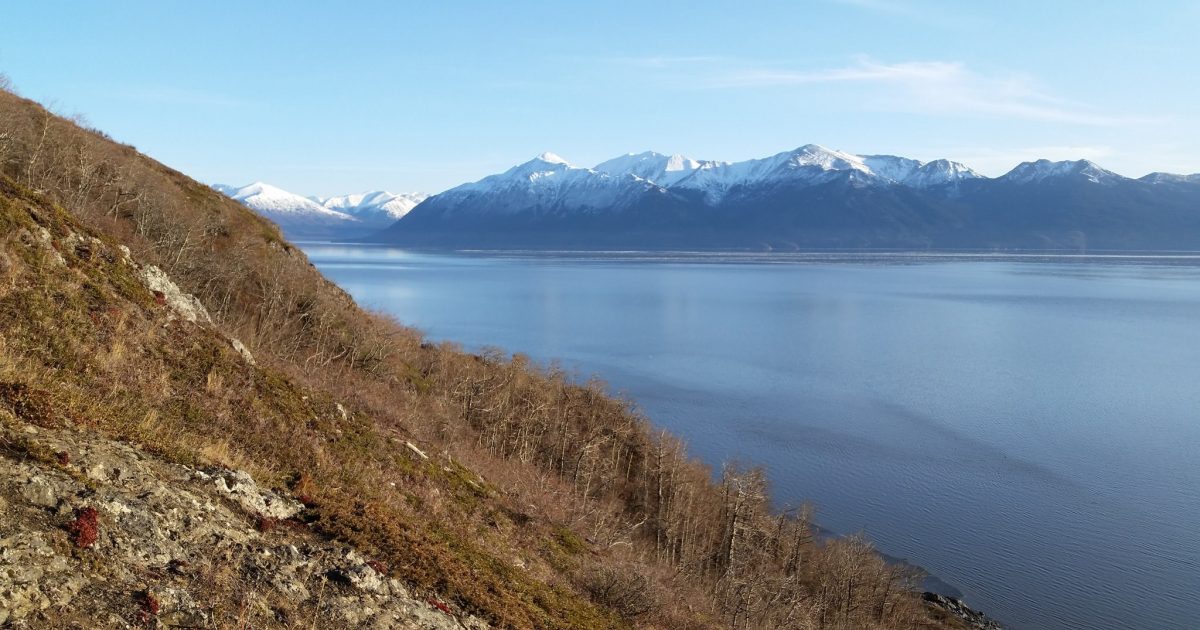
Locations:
{"points": [[809, 198]]}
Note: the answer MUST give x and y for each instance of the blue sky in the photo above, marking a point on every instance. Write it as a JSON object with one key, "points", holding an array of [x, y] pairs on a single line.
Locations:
{"points": [[325, 99]]}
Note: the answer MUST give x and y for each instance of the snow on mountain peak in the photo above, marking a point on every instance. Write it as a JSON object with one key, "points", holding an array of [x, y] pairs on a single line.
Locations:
{"points": [[891, 167], [1171, 178], [810, 164], [261, 188], [550, 182], [268, 199], [827, 159], [678, 162], [938, 173], [659, 169], [1038, 170], [324, 217], [379, 204], [553, 158]]}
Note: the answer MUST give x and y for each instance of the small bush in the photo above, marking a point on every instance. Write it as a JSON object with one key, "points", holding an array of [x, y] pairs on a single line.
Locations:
{"points": [[626, 592], [569, 541], [85, 529]]}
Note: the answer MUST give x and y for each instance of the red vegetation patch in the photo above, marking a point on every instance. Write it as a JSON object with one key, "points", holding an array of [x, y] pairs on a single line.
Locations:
{"points": [[149, 606], [30, 403], [85, 529], [439, 605]]}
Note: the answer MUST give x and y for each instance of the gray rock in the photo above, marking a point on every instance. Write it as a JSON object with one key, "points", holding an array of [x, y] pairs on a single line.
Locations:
{"points": [[362, 576], [42, 238], [239, 486], [973, 619], [170, 529], [40, 492], [242, 350], [183, 304]]}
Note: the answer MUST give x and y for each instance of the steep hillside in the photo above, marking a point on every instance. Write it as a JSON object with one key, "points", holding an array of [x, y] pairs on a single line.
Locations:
{"points": [[470, 488], [97, 346]]}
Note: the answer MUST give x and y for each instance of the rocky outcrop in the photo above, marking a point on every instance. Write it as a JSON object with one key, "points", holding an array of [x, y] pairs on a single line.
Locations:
{"points": [[972, 619], [239, 486], [173, 546], [183, 304], [242, 350]]}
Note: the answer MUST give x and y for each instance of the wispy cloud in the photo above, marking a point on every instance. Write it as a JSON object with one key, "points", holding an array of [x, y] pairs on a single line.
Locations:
{"points": [[932, 87]]}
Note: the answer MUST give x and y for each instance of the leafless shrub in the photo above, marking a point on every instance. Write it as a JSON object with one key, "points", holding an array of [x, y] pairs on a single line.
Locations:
{"points": [[627, 592]]}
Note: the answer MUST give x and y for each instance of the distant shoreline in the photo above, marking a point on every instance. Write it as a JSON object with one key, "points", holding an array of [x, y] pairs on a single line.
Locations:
{"points": [[817, 255]]}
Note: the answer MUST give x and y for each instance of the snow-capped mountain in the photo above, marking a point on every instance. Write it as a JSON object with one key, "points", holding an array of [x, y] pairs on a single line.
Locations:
{"points": [[938, 173], [808, 165], [347, 216], [547, 184], [1027, 172], [379, 205], [268, 199], [808, 197], [1171, 178], [664, 170]]}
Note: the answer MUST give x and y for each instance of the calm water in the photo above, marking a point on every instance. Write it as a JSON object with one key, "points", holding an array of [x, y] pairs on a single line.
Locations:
{"points": [[1026, 429]]}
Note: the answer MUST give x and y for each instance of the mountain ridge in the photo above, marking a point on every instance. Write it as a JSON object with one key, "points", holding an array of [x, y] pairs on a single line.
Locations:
{"points": [[808, 197], [341, 216], [671, 201]]}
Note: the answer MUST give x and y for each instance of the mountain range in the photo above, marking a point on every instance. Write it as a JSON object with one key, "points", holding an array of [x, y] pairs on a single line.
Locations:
{"points": [[808, 198], [345, 216]]}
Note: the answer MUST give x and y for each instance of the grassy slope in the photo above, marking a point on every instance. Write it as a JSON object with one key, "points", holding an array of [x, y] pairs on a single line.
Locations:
{"points": [[583, 518], [85, 343]]}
